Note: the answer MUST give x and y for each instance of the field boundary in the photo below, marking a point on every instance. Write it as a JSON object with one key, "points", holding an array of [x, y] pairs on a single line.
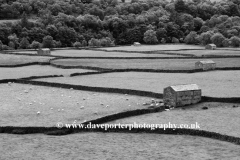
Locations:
{"points": [[64, 131]]}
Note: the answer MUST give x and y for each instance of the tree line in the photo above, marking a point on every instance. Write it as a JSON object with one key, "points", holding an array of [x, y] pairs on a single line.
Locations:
{"points": [[56, 23]]}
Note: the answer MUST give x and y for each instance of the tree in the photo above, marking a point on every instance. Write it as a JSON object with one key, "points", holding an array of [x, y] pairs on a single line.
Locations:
{"points": [[84, 43], [161, 33], [150, 37], [235, 41], [226, 42], [24, 44], [180, 6], [205, 38], [218, 39], [24, 20], [35, 45], [48, 42], [1, 45], [191, 38]]}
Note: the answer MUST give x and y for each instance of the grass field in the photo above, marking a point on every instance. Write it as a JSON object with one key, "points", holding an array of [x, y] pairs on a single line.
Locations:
{"points": [[214, 83], [19, 108], [7, 59], [36, 70], [161, 47], [92, 53], [220, 117], [100, 146], [201, 53], [167, 64]]}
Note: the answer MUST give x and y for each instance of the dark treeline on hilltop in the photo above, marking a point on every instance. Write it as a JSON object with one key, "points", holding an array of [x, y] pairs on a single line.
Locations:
{"points": [[107, 22]]}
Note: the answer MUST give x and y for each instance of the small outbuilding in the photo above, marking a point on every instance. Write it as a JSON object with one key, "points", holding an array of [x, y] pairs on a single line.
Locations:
{"points": [[205, 65], [211, 46], [137, 44], [181, 95], [44, 51]]}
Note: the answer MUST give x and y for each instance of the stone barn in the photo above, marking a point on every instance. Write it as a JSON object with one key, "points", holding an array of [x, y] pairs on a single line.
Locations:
{"points": [[211, 46], [137, 44], [205, 65], [44, 51], [181, 95]]}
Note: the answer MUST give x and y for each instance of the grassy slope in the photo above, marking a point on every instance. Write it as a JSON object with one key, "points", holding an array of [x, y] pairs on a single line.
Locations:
{"points": [[167, 64], [221, 118], [214, 83], [115, 146], [16, 109], [36, 70]]}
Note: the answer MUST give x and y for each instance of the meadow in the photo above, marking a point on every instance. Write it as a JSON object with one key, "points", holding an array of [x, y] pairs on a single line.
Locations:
{"points": [[161, 64], [9, 59], [155, 47], [37, 70], [220, 117], [20, 104], [213, 83], [200, 53]]}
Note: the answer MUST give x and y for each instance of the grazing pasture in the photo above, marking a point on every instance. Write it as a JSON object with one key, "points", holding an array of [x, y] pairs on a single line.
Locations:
{"points": [[20, 104], [115, 146], [163, 64], [36, 70], [213, 83], [160, 47], [94, 53], [220, 117], [200, 53], [8, 59]]}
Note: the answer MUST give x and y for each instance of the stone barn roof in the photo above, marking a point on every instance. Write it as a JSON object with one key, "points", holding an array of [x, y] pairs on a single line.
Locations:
{"points": [[185, 87], [206, 61], [45, 49]]}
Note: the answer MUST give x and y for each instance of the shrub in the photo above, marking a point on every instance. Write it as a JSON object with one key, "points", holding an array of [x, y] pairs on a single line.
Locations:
{"points": [[191, 38], [35, 45], [77, 44], [94, 42], [5, 47], [150, 37], [218, 39], [175, 40], [106, 42], [235, 41], [11, 45], [57, 44]]}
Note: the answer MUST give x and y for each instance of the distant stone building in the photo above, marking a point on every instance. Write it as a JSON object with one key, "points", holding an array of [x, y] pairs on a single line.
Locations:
{"points": [[205, 65], [44, 51], [181, 95], [211, 46], [137, 44]]}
